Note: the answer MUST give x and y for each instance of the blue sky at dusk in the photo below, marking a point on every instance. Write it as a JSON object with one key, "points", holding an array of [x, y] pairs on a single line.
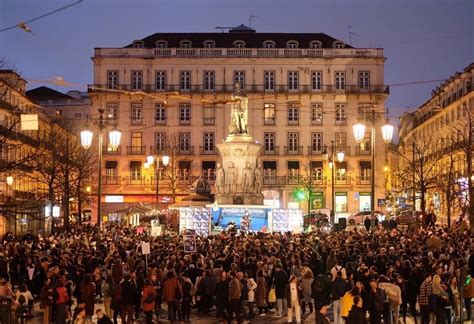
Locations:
{"points": [[423, 39]]}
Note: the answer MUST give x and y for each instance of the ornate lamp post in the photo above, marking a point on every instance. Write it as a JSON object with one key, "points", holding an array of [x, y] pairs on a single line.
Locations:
{"points": [[114, 142], [331, 160], [149, 161], [359, 134]]}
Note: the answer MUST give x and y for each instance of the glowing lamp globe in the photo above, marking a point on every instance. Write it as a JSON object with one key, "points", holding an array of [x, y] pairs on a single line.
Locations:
{"points": [[150, 159], [387, 132], [86, 139], [114, 138], [359, 132], [340, 156], [166, 160]]}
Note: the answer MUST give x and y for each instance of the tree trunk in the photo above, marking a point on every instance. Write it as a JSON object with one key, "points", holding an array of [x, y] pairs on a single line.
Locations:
{"points": [[79, 203], [423, 202]]}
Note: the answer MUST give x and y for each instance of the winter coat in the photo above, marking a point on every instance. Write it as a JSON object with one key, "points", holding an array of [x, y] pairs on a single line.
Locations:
{"points": [[129, 292], [280, 281], [251, 286], [376, 300], [148, 290], [356, 316], [87, 297], [171, 290], [261, 293]]}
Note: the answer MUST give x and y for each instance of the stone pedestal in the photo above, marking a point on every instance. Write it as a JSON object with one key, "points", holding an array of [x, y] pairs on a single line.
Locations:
{"points": [[239, 151]]}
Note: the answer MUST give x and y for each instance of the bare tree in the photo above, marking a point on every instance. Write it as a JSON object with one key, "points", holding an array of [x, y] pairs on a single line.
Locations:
{"points": [[306, 185]]}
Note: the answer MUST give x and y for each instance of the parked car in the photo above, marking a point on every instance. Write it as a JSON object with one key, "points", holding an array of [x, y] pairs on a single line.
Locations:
{"points": [[360, 217], [407, 217]]}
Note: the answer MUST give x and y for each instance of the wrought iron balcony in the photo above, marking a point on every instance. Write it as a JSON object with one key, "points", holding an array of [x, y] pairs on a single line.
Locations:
{"points": [[293, 150], [274, 150], [107, 150], [136, 150]]}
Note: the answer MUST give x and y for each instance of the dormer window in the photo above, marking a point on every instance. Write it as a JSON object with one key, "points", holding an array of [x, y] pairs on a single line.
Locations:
{"points": [[269, 44], [209, 44], [239, 44], [292, 44], [338, 44], [185, 44], [161, 44], [315, 44], [138, 44]]}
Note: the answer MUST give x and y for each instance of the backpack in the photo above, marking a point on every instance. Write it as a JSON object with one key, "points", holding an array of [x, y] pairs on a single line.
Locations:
{"points": [[150, 298]]}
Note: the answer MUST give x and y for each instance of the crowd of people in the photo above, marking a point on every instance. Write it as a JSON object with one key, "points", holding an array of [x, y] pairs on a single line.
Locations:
{"points": [[359, 276]]}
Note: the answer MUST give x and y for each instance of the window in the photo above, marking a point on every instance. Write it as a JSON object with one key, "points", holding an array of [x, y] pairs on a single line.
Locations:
{"points": [[341, 202], [338, 44], [316, 113], [269, 114], [137, 80], [112, 110], [293, 115], [185, 142], [209, 44], [269, 142], [185, 44], [239, 77], [268, 44], [239, 44], [78, 115], [341, 140], [112, 80], [316, 80], [316, 142], [293, 170], [365, 170], [293, 142], [184, 168], [160, 114], [341, 170], [185, 80], [208, 170], [137, 110], [184, 113], [340, 80], [269, 81], [160, 142], [111, 172], [340, 114], [364, 80], [161, 44], [136, 140], [209, 79], [160, 80], [293, 81], [317, 170], [138, 44], [292, 44], [208, 142], [135, 170], [269, 171], [315, 44], [209, 115]]}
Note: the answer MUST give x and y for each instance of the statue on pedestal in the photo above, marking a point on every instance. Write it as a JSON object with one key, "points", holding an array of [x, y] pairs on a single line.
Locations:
{"points": [[247, 178], [258, 179], [239, 113], [231, 178], [220, 179]]}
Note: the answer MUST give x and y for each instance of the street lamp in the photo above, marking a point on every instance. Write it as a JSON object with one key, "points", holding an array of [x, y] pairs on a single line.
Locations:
{"points": [[114, 142], [10, 180], [359, 134], [332, 166], [149, 161]]}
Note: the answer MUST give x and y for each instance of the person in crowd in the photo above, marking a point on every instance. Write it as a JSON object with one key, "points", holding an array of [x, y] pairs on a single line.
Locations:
{"points": [[261, 293], [439, 299], [394, 295], [188, 293], [102, 318], [454, 296], [307, 284], [294, 294], [23, 291], [107, 290], [338, 289], [222, 293], [172, 294], [127, 297], [321, 311], [424, 299], [148, 300], [46, 300], [280, 281], [251, 287], [235, 294], [356, 314], [376, 301], [347, 301], [60, 298], [468, 294], [88, 295]]}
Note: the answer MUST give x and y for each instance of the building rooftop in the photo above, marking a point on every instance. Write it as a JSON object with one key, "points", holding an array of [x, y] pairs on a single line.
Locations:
{"points": [[45, 93]]}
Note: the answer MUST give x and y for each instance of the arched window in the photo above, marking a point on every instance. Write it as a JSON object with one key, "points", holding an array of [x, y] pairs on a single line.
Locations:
{"points": [[315, 44], [338, 44], [185, 44], [209, 44], [268, 44], [161, 44], [292, 44], [138, 44], [239, 44]]}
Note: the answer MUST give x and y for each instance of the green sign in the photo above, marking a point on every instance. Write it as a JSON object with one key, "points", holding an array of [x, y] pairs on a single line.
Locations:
{"points": [[318, 200]]}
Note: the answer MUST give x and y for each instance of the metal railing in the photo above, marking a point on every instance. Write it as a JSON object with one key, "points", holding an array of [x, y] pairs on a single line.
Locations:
{"points": [[185, 150], [107, 150], [136, 150], [108, 180], [293, 150], [155, 150], [363, 151], [136, 121], [135, 180], [315, 150], [206, 150], [275, 150]]}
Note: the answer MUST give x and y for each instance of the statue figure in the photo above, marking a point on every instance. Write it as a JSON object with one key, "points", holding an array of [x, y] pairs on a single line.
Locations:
{"points": [[220, 179], [231, 178], [258, 179], [239, 114], [247, 178]]}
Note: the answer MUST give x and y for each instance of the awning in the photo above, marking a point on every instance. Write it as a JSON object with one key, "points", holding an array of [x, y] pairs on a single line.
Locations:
{"points": [[135, 164], [365, 164], [111, 164], [135, 209], [189, 204], [272, 165], [184, 165], [206, 165], [316, 164], [293, 165]]}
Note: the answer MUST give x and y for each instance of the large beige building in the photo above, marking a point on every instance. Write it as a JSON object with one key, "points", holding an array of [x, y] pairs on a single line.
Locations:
{"points": [[305, 90], [440, 131]]}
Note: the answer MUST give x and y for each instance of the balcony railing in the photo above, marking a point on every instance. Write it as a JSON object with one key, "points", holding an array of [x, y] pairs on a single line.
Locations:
{"points": [[107, 150], [135, 180], [315, 150], [109, 180], [362, 151], [136, 121], [185, 150], [206, 150], [293, 150], [156, 150], [316, 121], [136, 150], [275, 150], [345, 149], [186, 121], [269, 121], [250, 88], [208, 120], [342, 181], [363, 181], [293, 122], [160, 121], [340, 121]]}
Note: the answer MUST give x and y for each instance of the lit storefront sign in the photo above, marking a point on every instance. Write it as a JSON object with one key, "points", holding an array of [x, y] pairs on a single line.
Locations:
{"points": [[114, 199]]}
